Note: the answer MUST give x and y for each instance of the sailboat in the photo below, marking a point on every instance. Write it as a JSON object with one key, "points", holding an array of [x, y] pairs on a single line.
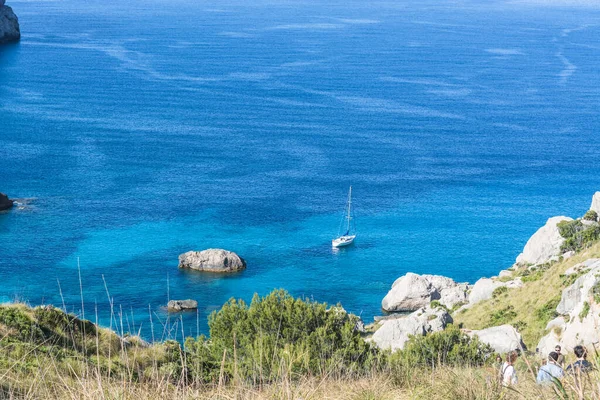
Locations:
{"points": [[346, 239]]}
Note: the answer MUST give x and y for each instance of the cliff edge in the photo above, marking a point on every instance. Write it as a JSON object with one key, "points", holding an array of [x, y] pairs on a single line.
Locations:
{"points": [[9, 24]]}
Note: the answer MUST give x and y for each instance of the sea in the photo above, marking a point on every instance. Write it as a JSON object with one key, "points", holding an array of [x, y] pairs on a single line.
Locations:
{"points": [[134, 131]]}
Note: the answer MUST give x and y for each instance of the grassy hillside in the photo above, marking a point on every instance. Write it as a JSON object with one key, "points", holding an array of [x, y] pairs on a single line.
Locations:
{"points": [[530, 307]]}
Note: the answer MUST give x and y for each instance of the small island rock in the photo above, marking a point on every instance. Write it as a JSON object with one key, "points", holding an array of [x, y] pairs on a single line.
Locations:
{"points": [[9, 25], [212, 260], [179, 305], [544, 244], [5, 202]]}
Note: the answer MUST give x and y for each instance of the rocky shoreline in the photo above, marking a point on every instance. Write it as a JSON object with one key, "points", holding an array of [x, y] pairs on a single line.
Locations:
{"points": [[10, 30], [427, 303]]}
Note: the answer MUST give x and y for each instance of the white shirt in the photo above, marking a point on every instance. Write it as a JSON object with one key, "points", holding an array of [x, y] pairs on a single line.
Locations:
{"points": [[509, 375]]}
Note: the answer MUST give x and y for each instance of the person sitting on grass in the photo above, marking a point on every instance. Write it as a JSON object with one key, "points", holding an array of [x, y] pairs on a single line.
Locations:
{"points": [[508, 373], [551, 370], [581, 365]]}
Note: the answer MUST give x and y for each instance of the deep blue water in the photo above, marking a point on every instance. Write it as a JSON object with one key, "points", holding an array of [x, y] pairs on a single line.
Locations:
{"points": [[139, 130]]}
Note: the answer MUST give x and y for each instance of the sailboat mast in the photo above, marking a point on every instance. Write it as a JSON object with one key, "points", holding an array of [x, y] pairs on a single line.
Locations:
{"points": [[349, 205]]}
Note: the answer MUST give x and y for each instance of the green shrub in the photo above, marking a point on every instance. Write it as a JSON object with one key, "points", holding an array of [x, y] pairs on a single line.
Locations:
{"points": [[448, 347], [547, 312], [577, 236], [499, 291], [584, 311], [502, 316], [18, 320], [591, 215], [436, 304], [278, 334]]}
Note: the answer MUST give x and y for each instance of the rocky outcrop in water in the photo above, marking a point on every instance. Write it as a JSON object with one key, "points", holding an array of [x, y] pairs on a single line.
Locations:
{"points": [[412, 292], [5, 202], [9, 24], [212, 260], [544, 244], [180, 305]]}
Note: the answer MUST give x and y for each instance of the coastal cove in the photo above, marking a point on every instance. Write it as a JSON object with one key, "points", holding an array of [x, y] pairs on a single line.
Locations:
{"points": [[129, 146]]}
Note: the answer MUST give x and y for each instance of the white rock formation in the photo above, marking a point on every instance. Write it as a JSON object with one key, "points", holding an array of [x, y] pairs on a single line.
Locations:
{"points": [[544, 244], [502, 338], [412, 291], [484, 288], [212, 260], [579, 323], [596, 203], [179, 305], [394, 332]]}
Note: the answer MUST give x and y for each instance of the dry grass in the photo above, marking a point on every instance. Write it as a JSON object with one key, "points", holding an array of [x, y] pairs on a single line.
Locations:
{"points": [[526, 300]]}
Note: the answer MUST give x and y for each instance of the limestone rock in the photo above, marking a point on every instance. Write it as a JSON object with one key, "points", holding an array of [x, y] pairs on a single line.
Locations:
{"points": [[596, 203], [9, 25], [212, 260], [483, 289], [579, 323], [179, 305], [5, 202], [412, 291], [394, 332], [544, 244], [502, 338]]}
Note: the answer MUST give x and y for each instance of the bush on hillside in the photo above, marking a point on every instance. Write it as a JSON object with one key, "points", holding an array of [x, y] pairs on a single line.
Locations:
{"points": [[449, 347], [577, 235], [278, 335], [591, 215]]}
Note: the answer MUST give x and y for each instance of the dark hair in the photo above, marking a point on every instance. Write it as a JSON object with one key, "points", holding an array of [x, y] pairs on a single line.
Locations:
{"points": [[557, 347], [553, 356], [511, 356], [580, 351]]}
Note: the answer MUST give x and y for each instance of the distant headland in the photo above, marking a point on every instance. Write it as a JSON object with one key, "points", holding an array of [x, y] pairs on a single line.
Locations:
{"points": [[9, 24]]}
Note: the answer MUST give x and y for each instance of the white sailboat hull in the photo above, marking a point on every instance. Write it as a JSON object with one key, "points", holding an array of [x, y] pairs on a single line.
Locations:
{"points": [[343, 241]]}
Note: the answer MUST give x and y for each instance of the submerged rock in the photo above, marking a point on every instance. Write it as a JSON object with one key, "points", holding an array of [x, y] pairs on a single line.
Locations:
{"points": [[212, 260], [544, 244], [5, 202], [179, 305], [412, 292], [395, 332], [9, 25]]}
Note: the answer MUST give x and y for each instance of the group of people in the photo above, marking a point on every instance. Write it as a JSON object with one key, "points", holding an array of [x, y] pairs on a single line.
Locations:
{"points": [[552, 369]]}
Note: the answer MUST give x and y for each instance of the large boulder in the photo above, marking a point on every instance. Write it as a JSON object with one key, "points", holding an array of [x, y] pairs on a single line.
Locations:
{"points": [[596, 203], [579, 321], [5, 202], [9, 25], [484, 288], [412, 292], [180, 305], [502, 338], [544, 244], [394, 332], [212, 260]]}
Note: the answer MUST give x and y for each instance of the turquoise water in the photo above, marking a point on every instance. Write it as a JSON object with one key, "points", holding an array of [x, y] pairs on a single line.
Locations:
{"points": [[140, 130]]}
